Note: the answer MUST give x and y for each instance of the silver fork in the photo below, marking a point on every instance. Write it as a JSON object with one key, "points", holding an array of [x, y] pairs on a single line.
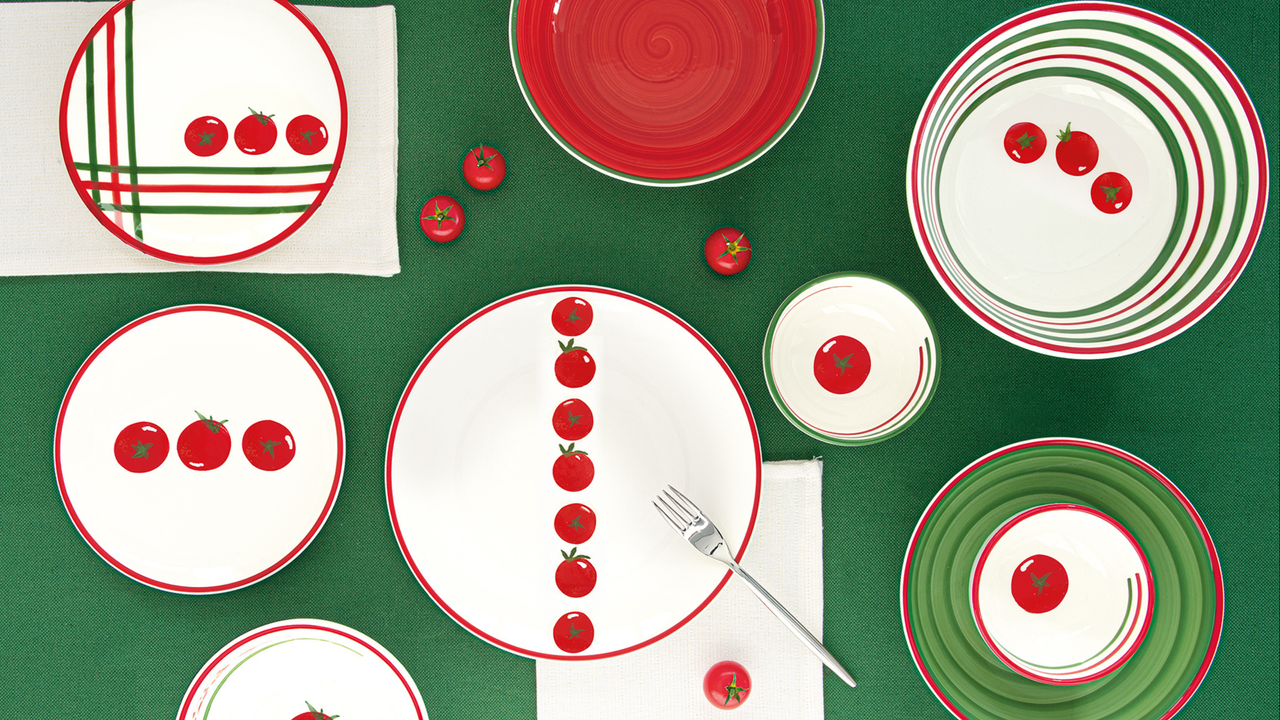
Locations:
{"points": [[686, 519]]}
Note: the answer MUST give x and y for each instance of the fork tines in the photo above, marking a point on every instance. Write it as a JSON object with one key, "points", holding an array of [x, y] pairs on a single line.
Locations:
{"points": [[679, 513]]}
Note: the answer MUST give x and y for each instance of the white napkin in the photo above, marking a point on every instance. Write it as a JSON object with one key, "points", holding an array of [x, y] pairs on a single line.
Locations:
{"points": [[45, 229], [664, 680]]}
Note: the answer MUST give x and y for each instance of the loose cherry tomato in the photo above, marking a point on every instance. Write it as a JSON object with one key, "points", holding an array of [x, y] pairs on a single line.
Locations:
{"points": [[574, 367], [306, 134], [573, 632], [484, 168], [314, 714], [727, 685], [205, 136], [1024, 142], [1077, 151], [573, 470], [256, 133], [442, 219], [575, 523], [575, 575], [1039, 584], [841, 365], [1111, 192], [571, 316], [727, 251], [204, 444], [141, 447], [268, 445], [572, 420]]}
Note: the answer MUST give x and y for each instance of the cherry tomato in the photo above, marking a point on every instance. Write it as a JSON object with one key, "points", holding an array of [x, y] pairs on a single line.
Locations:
{"points": [[575, 523], [1111, 192], [1024, 142], [727, 685], [1077, 151], [313, 714], [442, 219], [1039, 584], [727, 251], [306, 134], [205, 136], [572, 420], [575, 575], [571, 316], [841, 365], [573, 632], [573, 470], [142, 446], [204, 444], [484, 168], [256, 133], [268, 445], [574, 367]]}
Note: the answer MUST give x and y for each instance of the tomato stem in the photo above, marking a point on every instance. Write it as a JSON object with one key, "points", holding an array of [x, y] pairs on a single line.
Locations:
{"points": [[1065, 135], [262, 118]]}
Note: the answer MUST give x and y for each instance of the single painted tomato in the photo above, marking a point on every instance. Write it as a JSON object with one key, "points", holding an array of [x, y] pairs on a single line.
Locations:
{"points": [[727, 685], [205, 136], [442, 219], [571, 316], [313, 714], [1077, 152], [841, 365], [575, 523], [1039, 584], [204, 444], [268, 445], [573, 470], [572, 420], [727, 251], [573, 632], [142, 446], [484, 168], [1024, 142], [306, 134], [256, 134], [574, 367], [575, 575], [1111, 192]]}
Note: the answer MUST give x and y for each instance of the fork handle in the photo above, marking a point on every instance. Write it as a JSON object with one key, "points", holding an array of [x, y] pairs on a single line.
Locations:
{"points": [[794, 626]]}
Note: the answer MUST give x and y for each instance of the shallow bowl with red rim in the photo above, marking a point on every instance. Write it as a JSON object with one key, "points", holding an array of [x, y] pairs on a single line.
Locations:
{"points": [[666, 92], [851, 359], [1062, 594]]}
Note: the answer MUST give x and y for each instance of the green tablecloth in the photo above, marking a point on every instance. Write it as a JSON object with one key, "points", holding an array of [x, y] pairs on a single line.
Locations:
{"points": [[78, 639]]}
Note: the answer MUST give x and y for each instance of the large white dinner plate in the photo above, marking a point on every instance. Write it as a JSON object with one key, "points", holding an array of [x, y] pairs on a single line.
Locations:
{"points": [[474, 503], [172, 526]]}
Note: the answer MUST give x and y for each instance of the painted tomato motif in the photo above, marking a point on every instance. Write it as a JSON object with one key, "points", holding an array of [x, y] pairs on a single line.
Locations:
{"points": [[572, 316], [573, 470], [1039, 584], [306, 134], [727, 685], [575, 523], [1077, 152], [727, 251], [1024, 142], [204, 444], [141, 447], [268, 445], [256, 134], [572, 420], [314, 714], [1111, 192], [484, 168], [575, 366], [573, 632], [841, 365], [575, 575], [442, 219], [205, 136]]}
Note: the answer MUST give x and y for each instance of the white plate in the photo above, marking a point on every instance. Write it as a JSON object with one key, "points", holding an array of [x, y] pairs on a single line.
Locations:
{"points": [[850, 359], [469, 471], [174, 527], [165, 180], [276, 671]]}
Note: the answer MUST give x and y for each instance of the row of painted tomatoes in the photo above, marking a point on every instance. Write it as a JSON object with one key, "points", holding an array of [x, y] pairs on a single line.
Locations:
{"points": [[204, 445], [255, 134], [1076, 154]]}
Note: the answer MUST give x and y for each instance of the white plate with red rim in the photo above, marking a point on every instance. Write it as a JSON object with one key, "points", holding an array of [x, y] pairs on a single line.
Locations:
{"points": [[199, 449], [851, 359], [485, 502], [203, 131], [302, 670]]}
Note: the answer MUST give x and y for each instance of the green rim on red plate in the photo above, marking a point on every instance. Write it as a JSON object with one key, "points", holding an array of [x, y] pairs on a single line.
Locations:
{"points": [[940, 631]]}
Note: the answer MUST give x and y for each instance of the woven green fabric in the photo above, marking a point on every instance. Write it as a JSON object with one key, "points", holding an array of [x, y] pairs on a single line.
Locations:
{"points": [[78, 639]]}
